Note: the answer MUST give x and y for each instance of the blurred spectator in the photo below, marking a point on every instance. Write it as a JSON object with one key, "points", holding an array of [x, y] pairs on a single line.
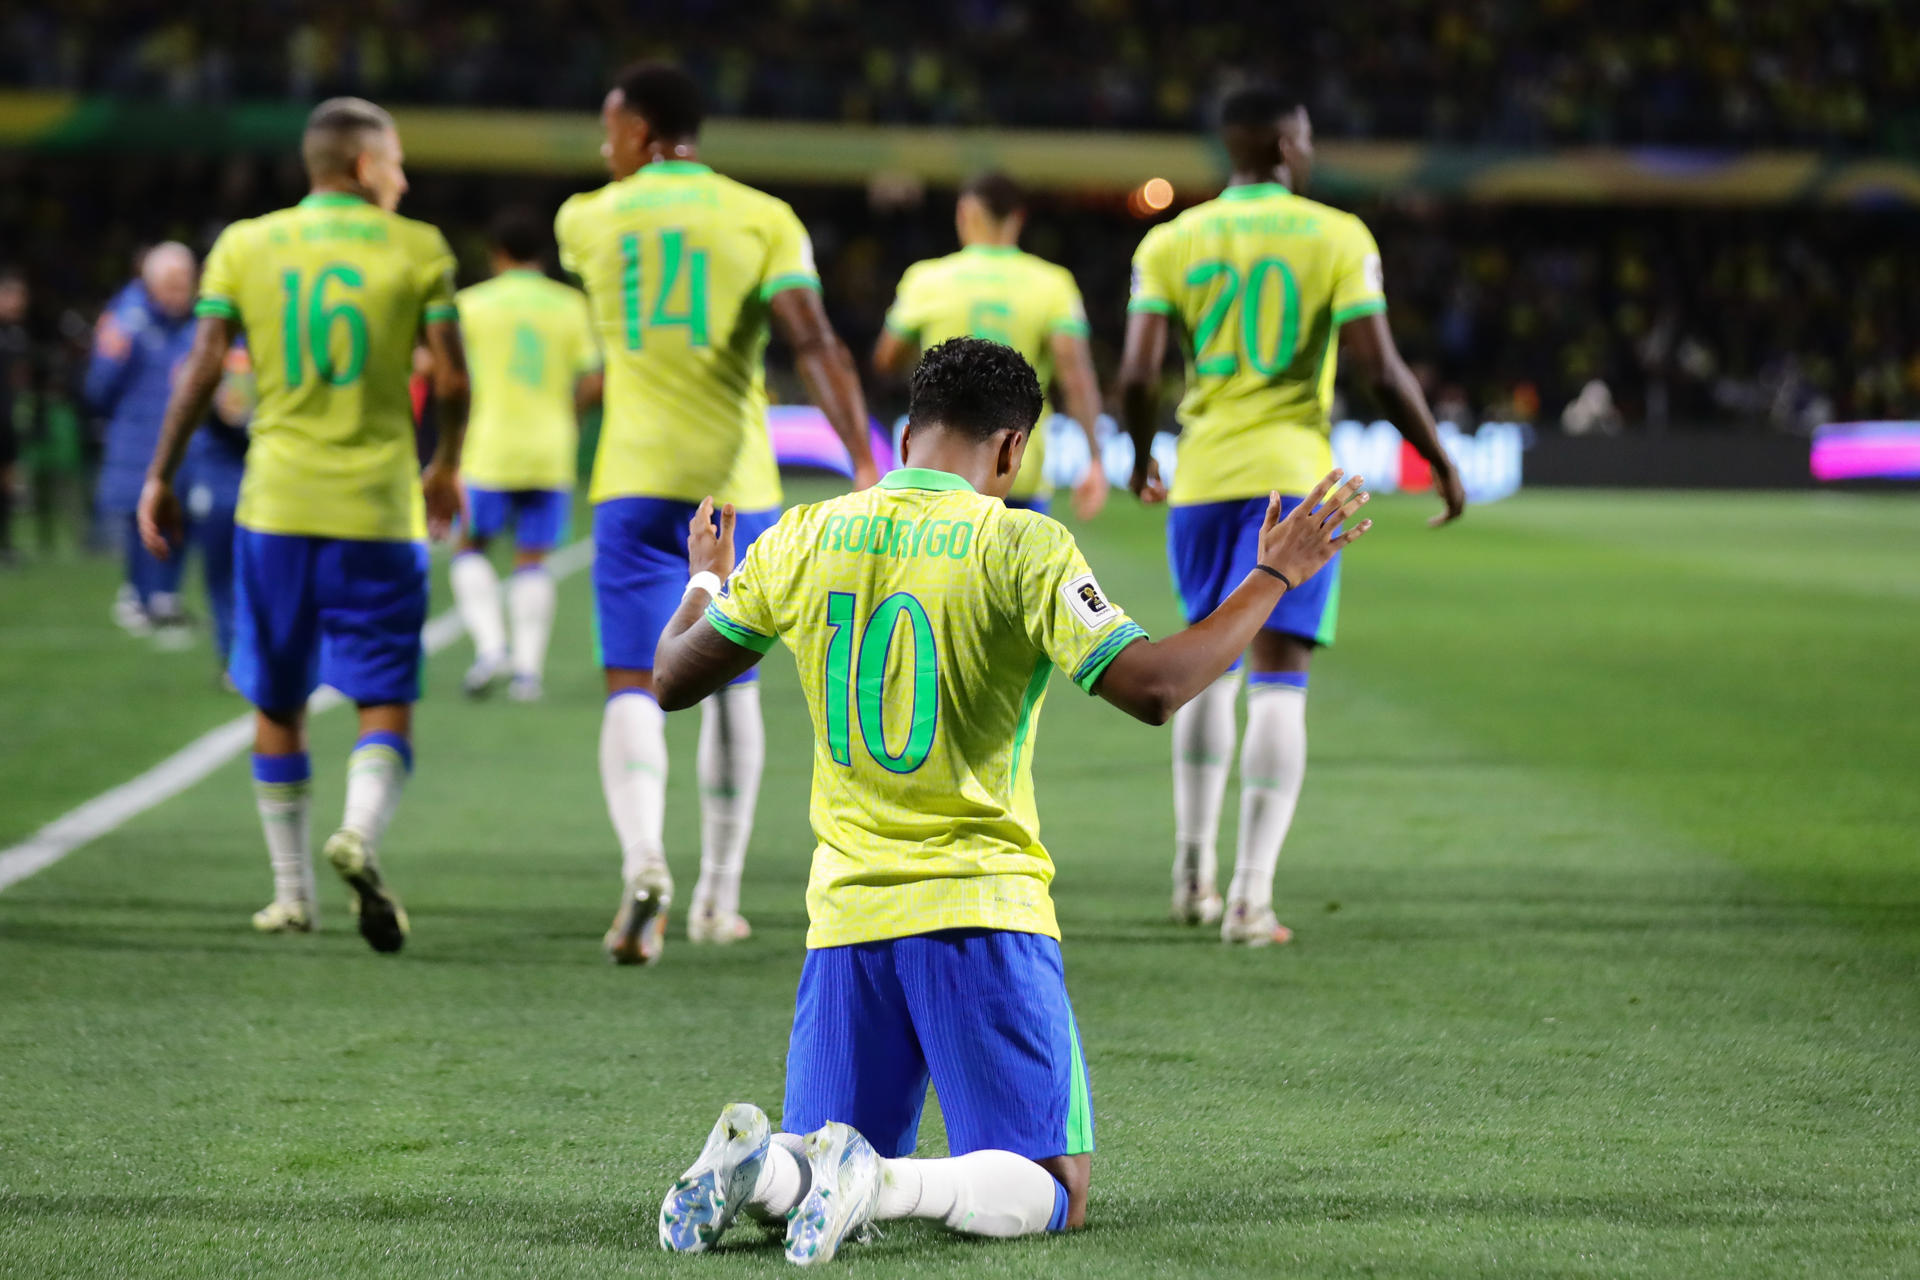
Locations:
{"points": [[1833, 73], [1592, 412], [144, 332]]}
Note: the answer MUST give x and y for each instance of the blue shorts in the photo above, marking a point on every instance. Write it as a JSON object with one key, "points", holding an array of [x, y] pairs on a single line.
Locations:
{"points": [[1212, 546], [539, 516], [1043, 503], [338, 611], [982, 1012], [640, 571]]}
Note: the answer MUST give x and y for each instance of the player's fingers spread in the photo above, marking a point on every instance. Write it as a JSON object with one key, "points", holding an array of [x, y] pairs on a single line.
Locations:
{"points": [[1319, 491], [1353, 534], [727, 518]]}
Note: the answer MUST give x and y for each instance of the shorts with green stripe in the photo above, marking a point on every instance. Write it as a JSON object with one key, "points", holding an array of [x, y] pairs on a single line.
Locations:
{"points": [[982, 1013]]}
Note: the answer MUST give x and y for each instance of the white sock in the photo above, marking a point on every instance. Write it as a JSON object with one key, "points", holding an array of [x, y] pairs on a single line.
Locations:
{"points": [[633, 774], [783, 1178], [282, 792], [1202, 756], [1273, 762], [530, 599], [376, 774], [983, 1193], [733, 750], [476, 593]]}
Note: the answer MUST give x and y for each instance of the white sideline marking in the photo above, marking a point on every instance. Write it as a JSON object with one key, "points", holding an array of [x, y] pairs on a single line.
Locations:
{"points": [[203, 755]]}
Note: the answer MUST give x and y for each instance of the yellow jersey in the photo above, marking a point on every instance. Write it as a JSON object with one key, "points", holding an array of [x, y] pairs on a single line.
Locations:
{"points": [[925, 619], [528, 340], [679, 265], [332, 294], [1259, 282], [1003, 294]]}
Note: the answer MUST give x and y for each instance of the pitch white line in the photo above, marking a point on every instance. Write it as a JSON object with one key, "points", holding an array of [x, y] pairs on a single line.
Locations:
{"points": [[203, 755]]}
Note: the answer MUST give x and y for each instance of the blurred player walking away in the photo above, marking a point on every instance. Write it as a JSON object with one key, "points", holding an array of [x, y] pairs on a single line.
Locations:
{"points": [[330, 557], [529, 341], [991, 289], [925, 618], [1260, 282], [143, 334], [686, 272], [217, 463]]}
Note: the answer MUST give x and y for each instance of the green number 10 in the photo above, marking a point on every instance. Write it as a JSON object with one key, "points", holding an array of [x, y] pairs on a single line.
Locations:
{"points": [[317, 341], [856, 690], [1251, 296]]}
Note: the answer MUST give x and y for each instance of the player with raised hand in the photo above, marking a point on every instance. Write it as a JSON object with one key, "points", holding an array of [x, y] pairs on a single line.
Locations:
{"points": [[992, 289], [330, 559], [536, 366], [1259, 282], [925, 618], [686, 271]]}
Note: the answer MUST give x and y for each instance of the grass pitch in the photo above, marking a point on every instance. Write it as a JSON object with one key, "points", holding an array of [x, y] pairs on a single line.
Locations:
{"points": [[1606, 885]]}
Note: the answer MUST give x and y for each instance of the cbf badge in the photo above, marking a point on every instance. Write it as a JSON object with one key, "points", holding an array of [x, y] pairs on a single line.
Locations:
{"points": [[1088, 602]]}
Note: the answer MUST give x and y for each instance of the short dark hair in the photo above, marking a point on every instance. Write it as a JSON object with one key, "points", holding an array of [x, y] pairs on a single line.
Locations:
{"points": [[1256, 105], [518, 233], [975, 387], [1001, 194], [337, 132], [663, 95]]}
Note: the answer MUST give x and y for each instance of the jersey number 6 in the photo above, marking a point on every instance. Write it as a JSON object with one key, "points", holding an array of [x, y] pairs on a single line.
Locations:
{"points": [[856, 690]]}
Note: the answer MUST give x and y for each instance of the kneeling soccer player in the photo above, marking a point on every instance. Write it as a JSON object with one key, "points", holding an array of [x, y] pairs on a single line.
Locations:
{"points": [[926, 618]]}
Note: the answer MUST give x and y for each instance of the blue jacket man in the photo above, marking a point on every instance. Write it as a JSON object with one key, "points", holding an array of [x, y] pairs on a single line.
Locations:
{"points": [[144, 332]]}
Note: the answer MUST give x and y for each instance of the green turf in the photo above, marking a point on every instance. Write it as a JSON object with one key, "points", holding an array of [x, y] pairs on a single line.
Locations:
{"points": [[1605, 881]]}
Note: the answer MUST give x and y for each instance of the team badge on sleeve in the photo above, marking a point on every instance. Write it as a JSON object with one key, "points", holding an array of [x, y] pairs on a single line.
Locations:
{"points": [[1088, 602], [1370, 269]]}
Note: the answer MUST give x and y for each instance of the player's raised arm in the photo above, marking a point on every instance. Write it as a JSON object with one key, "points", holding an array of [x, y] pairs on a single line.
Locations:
{"points": [[826, 366], [193, 388], [692, 661], [1368, 343], [1150, 680]]}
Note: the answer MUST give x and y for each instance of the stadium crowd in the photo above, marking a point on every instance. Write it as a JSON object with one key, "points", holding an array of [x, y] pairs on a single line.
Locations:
{"points": [[1835, 73]]}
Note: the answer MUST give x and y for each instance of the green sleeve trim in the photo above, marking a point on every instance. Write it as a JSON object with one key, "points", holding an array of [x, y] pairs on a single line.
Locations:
{"points": [[441, 311], [745, 637], [1103, 655], [1365, 307], [901, 329], [792, 280], [216, 307], [1158, 306], [1072, 328]]}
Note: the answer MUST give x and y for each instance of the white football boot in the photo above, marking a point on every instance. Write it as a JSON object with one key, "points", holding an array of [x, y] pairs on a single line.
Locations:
{"points": [[839, 1204], [1246, 927], [284, 917], [482, 676], [702, 1203], [639, 930], [720, 929]]}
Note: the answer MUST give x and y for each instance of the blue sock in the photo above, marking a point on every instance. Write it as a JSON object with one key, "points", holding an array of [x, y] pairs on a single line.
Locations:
{"points": [[394, 742], [1058, 1222], [1291, 679], [282, 769]]}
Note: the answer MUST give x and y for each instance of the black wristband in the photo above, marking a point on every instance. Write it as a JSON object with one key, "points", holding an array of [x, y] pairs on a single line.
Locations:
{"points": [[1272, 572]]}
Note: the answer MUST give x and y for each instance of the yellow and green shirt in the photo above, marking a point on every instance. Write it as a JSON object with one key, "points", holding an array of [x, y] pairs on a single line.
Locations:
{"points": [[528, 340], [680, 265], [1259, 282], [332, 294], [996, 292], [925, 619]]}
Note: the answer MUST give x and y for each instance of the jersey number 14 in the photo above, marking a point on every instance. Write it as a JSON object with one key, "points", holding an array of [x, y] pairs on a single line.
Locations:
{"points": [[675, 259]]}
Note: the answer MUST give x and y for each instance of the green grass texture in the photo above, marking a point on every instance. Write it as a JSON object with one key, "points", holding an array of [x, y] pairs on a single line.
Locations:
{"points": [[1606, 883]]}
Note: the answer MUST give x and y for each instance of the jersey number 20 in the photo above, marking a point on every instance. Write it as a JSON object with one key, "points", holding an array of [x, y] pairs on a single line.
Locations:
{"points": [[1250, 295], [856, 686]]}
